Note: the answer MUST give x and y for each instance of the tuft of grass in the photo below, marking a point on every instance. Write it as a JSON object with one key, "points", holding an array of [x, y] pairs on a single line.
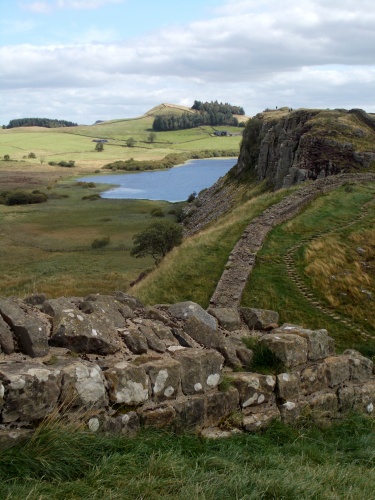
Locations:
{"points": [[264, 360], [282, 462]]}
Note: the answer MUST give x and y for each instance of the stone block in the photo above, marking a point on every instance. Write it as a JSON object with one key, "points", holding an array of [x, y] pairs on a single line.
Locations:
{"points": [[30, 391], [135, 340], [358, 398], [127, 384], [186, 310], [228, 317], [159, 418], [202, 333], [313, 378], [165, 378], [319, 344], [337, 370], [153, 341], [288, 386], [105, 308], [190, 414], [83, 385], [6, 338], [30, 328], [261, 419], [290, 349], [291, 411], [259, 319], [221, 404], [201, 370], [126, 424], [254, 389], [360, 367], [323, 406]]}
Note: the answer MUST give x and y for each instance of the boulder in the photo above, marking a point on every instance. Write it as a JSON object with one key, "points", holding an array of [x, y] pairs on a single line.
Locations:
{"points": [[165, 378], [7, 345], [201, 370], [290, 349], [313, 378], [360, 367], [288, 386], [337, 370], [186, 310], [190, 414], [83, 385], [220, 405], [254, 389], [30, 328], [88, 333], [127, 384], [30, 391], [319, 344], [202, 333], [260, 420], [228, 317], [259, 319]]}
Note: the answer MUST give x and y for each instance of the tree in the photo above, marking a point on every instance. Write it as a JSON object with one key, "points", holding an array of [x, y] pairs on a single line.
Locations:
{"points": [[130, 142], [151, 137], [157, 240], [99, 146]]}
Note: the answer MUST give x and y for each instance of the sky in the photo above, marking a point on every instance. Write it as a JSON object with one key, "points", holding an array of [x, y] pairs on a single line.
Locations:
{"points": [[89, 60]]}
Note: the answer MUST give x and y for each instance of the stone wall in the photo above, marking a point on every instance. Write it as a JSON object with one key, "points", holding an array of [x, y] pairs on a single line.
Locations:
{"points": [[117, 365]]}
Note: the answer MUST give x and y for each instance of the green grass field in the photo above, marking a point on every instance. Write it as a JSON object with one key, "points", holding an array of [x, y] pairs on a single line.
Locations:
{"points": [[281, 463]]}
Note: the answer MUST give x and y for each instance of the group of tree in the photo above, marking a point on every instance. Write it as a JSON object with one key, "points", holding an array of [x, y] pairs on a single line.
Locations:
{"points": [[39, 122], [208, 113]]}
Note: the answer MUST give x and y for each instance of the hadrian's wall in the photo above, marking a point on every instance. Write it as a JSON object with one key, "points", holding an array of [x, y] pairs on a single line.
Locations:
{"points": [[118, 365]]}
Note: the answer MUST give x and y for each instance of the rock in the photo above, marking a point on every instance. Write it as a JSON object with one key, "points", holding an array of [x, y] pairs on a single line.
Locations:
{"points": [[153, 341], [228, 350], [202, 333], [159, 418], [165, 378], [244, 355], [126, 424], [290, 349], [13, 437], [216, 433], [323, 406], [319, 344], [313, 378], [135, 340], [288, 386], [360, 367], [190, 414], [337, 370], [254, 389], [164, 333], [261, 420], [30, 328], [186, 310], [228, 317], [106, 309], [128, 300], [30, 391], [37, 299], [127, 383], [220, 405], [201, 370], [259, 319], [88, 333], [83, 385], [6, 338], [291, 411]]}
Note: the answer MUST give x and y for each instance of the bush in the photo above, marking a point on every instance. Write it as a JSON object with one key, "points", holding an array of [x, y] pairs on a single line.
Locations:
{"points": [[100, 242], [191, 197], [157, 212], [91, 197], [31, 155], [22, 198], [6, 157]]}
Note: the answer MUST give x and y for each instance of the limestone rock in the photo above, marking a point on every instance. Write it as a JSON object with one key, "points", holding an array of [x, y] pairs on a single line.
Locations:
{"points": [[228, 317], [83, 385], [80, 332], [30, 391], [134, 340], [186, 310], [259, 319], [288, 386], [126, 424], [30, 328], [106, 308], [165, 378], [290, 349], [220, 405], [158, 418], [202, 333], [261, 420], [201, 370], [337, 370], [323, 406], [6, 338], [153, 341], [360, 367], [313, 378], [254, 389], [190, 414], [319, 344], [127, 383]]}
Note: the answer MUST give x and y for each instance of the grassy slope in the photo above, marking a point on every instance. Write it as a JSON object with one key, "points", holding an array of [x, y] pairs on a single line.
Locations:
{"points": [[282, 463]]}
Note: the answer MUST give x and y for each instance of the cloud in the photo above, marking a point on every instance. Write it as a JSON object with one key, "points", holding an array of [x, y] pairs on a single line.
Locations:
{"points": [[255, 53], [49, 6]]}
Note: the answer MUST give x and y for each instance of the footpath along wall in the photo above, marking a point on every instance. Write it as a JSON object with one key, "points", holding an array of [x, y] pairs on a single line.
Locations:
{"points": [[118, 365]]}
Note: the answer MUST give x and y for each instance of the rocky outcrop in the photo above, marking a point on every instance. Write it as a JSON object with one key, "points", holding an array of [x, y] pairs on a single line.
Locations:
{"points": [[304, 145], [174, 366]]}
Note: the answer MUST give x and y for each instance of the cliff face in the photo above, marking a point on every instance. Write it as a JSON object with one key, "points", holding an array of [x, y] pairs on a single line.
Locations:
{"points": [[288, 147]]}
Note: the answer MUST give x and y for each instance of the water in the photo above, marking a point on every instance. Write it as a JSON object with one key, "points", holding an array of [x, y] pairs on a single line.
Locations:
{"points": [[175, 184]]}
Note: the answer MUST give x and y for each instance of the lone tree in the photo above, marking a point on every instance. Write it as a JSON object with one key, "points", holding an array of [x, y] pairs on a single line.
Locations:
{"points": [[157, 240], [130, 142], [99, 146]]}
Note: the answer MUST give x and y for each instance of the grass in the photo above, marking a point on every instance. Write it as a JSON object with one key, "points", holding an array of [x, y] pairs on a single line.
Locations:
{"points": [[281, 463], [269, 286], [191, 271]]}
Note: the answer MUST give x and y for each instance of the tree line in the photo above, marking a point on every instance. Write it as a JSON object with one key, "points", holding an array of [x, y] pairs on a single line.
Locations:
{"points": [[39, 122], [209, 113]]}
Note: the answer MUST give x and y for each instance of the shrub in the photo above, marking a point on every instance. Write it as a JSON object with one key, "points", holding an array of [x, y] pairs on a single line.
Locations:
{"points": [[31, 155], [22, 198], [100, 242], [6, 157], [91, 197], [157, 212], [191, 197]]}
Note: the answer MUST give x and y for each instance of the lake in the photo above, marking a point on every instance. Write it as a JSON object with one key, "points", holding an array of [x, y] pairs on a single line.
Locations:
{"points": [[175, 184]]}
